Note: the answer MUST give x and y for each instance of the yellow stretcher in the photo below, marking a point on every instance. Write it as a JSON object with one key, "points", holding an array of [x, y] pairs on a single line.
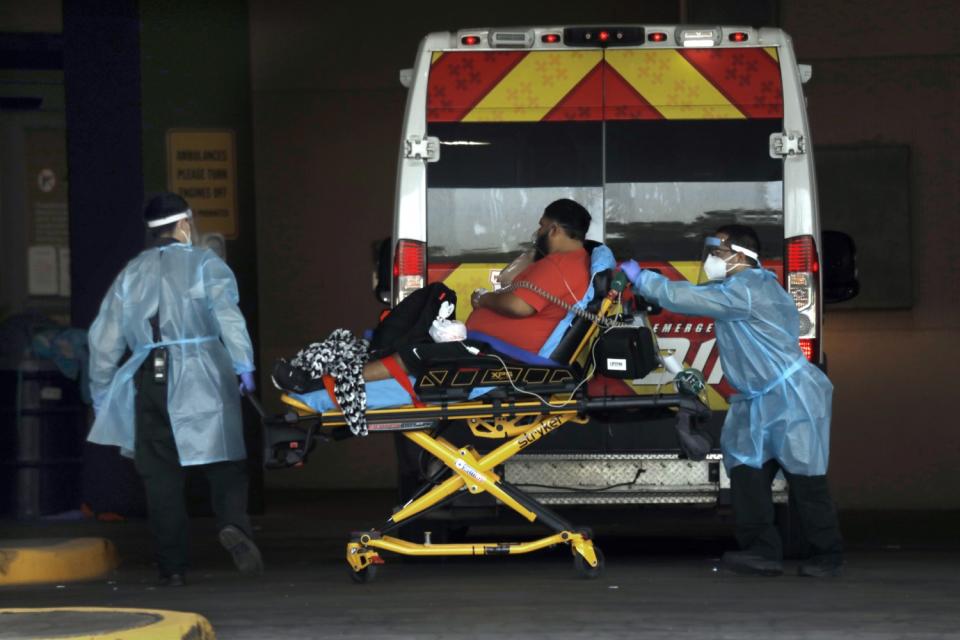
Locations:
{"points": [[517, 419]]}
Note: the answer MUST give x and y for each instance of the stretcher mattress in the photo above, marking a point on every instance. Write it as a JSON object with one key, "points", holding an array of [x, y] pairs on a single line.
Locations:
{"points": [[381, 394]]}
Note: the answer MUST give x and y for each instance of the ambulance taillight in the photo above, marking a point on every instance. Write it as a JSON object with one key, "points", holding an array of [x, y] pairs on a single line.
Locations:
{"points": [[409, 268], [802, 280]]}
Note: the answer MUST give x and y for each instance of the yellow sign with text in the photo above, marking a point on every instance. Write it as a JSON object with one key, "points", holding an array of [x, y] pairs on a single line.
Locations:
{"points": [[202, 167]]}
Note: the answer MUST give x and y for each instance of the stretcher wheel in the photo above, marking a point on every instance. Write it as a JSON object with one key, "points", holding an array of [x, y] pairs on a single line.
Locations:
{"points": [[583, 568], [368, 574]]}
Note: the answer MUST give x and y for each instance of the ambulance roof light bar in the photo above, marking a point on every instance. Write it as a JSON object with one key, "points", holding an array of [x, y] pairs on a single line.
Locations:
{"points": [[685, 35]]}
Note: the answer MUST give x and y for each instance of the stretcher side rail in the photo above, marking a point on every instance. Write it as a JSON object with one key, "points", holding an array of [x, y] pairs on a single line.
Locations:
{"points": [[291, 436], [452, 379]]}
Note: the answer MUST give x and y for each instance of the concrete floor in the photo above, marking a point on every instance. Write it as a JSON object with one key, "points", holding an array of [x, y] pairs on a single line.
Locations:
{"points": [[902, 581]]}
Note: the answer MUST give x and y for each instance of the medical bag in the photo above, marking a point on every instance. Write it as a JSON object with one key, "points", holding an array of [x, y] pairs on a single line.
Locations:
{"points": [[409, 322], [625, 352]]}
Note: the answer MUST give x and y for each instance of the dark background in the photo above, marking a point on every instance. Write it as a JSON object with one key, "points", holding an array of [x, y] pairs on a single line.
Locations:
{"points": [[313, 93]]}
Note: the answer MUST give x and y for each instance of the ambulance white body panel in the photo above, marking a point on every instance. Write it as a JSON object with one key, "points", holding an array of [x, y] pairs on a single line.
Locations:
{"points": [[720, 135]]}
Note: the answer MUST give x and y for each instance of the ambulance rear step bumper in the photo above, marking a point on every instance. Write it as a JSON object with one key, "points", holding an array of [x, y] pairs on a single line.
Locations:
{"points": [[623, 479]]}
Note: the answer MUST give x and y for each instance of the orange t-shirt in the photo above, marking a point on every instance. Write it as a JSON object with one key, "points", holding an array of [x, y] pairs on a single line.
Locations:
{"points": [[557, 274]]}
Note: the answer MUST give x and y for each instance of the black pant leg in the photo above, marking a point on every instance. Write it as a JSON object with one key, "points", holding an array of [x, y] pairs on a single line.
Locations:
{"points": [[818, 515], [228, 493], [158, 463], [752, 498]]}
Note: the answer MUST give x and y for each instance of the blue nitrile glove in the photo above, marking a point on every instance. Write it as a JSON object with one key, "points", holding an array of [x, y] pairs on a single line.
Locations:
{"points": [[247, 385], [631, 269]]}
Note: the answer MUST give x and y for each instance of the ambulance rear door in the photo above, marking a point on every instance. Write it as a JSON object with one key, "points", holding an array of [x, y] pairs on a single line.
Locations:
{"points": [[686, 150], [517, 130]]}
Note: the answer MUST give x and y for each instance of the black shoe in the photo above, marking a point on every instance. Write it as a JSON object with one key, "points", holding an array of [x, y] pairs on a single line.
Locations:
{"points": [[287, 377], [172, 580], [821, 568], [752, 564], [244, 552]]}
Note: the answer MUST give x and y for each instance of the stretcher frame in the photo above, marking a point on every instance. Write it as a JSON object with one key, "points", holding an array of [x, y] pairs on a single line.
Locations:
{"points": [[521, 423], [476, 474]]}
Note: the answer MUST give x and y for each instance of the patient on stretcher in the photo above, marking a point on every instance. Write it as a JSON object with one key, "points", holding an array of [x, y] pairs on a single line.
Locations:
{"points": [[518, 322], [521, 317]]}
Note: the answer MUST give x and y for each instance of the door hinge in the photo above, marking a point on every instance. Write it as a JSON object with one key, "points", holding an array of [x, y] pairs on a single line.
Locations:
{"points": [[425, 148], [787, 144]]}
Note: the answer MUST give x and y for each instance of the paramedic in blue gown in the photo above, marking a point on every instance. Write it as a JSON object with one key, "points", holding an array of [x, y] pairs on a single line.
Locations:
{"points": [[780, 419], [175, 401]]}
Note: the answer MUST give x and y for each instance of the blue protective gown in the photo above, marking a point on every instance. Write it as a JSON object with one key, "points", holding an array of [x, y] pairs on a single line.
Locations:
{"points": [[783, 409], [207, 343]]}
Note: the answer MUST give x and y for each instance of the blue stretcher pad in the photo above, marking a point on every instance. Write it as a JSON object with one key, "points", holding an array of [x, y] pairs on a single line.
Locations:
{"points": [[381, 394]]}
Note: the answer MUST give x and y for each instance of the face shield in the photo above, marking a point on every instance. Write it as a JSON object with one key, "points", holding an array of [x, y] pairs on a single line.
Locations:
{"points": [[719, 259], [190, 235], [187, 235], [194, 234]]}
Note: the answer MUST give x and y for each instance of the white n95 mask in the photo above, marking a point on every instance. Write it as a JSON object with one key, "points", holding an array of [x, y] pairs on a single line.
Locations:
{"points": [[715, 267]]}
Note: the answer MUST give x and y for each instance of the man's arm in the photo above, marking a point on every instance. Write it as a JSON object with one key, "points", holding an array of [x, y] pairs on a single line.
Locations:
{"points": [[505, 303], [106, 343], [723, 300], [221, 287]]}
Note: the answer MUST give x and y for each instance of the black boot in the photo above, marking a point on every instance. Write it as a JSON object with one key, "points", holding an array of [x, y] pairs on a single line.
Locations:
{"points": [[821, 567], [752, 564], [172, 580], [245, 554]]}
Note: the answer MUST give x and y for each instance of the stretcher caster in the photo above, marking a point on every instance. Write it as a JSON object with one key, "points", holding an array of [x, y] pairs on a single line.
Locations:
{"points": [[362, 561], [369, 574], [584, 569]]}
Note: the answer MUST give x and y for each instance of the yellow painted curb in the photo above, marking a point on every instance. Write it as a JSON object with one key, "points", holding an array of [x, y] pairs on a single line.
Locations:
{"points": [[123, 624], [56, 560]]}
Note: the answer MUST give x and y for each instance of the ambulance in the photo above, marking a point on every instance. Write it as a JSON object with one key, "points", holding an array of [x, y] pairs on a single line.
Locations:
{"points": [[664, 133]]}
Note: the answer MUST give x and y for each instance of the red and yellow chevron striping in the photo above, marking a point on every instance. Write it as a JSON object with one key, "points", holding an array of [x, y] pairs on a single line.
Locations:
{"points": [[646, 84], [748, 78], [459, 80]]}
